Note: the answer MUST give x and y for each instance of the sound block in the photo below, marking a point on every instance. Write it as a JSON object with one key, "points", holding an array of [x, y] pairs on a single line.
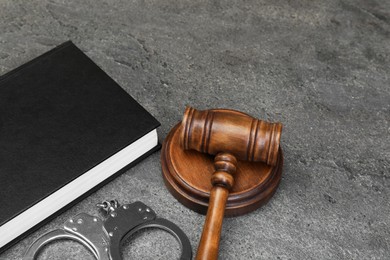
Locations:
{"points": [[187, 174]]}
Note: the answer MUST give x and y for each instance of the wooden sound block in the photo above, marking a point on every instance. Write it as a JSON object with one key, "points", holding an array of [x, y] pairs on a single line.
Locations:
{"points": [[187, 176]]}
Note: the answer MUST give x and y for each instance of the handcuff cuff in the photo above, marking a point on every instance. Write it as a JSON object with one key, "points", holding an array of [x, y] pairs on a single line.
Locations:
{"points": [[104, 237]]}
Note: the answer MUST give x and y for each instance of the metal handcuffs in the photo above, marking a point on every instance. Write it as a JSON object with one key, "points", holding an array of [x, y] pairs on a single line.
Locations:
{"points": [[104, 237]]}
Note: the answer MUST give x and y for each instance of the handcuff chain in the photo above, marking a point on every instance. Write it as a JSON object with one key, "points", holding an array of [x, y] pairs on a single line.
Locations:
{"points": [[104, 237]]}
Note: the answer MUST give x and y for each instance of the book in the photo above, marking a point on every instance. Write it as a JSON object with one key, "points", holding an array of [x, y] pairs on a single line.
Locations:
{"points": [[66, 128]]}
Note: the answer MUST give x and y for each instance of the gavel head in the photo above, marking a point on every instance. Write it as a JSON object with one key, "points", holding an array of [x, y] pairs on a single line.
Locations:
{"points": [[215, 131]]}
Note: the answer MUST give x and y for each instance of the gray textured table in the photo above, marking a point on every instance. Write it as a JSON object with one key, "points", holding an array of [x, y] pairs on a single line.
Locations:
{"points": [[319, 67]]}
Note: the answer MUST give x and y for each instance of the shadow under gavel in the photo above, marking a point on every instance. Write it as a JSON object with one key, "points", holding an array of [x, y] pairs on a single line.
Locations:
{"points": [[231, 137]]}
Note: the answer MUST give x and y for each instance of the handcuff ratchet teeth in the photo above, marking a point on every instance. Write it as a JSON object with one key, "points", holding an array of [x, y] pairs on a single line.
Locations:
{"points": [[104, 237]]}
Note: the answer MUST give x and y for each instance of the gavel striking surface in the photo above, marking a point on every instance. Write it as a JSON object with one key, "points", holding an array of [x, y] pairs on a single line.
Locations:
{"points": [[187, 174]]}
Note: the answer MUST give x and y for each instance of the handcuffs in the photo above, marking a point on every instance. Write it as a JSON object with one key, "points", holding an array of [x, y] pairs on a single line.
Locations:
{"points": [[104, 237]]}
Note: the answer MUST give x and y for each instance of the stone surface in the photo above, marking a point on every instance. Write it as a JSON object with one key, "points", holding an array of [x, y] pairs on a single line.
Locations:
{"points": [[320, 67]]}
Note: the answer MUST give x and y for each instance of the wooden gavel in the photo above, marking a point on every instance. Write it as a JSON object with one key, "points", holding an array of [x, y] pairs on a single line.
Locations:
{"points": [[229, 136]]}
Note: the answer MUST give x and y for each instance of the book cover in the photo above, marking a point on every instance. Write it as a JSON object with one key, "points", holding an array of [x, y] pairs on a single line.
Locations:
{"points": [[66, 127]]}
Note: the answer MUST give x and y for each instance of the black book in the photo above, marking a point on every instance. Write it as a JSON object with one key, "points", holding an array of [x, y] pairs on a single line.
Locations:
{"points": [[66, 128]]}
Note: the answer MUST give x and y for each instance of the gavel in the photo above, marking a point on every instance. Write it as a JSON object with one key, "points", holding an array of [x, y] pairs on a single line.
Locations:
{"points": [[230, 136]]}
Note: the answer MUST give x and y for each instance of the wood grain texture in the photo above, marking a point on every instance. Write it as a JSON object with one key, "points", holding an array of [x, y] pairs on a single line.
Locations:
{"points": [[228, 134], [187, 174], [247, 138], [222, 181], [209, 242]]}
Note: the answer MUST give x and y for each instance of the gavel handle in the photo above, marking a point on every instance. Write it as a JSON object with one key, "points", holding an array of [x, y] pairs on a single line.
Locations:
{"points": [[209, 241], [222, 180]]}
